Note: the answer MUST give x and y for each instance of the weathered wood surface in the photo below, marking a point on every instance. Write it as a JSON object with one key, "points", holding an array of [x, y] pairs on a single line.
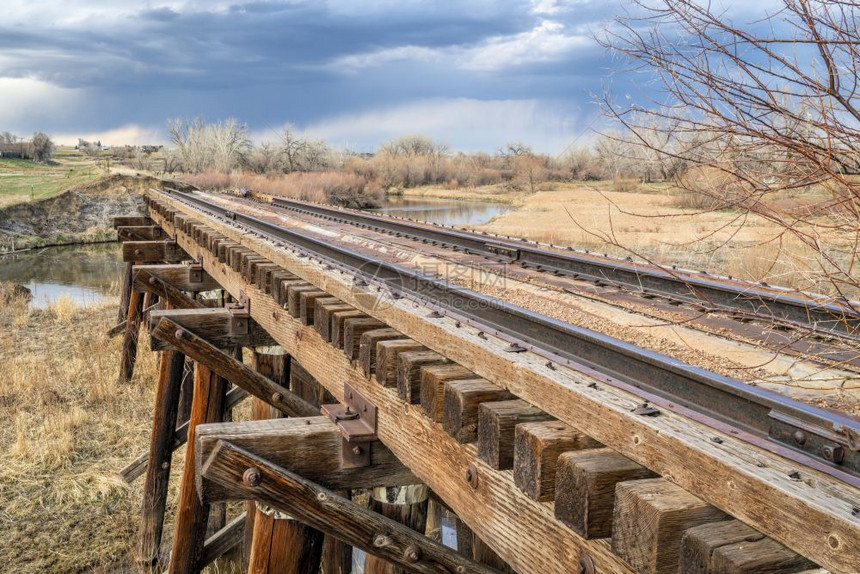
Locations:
{"points": [[231, 369], [650, 518], [497, 422], [387, 352], [537, 447], [191, 513], [128, 355], [130, 220], [367, 347], [322, 314], [338, 324], [585, 488], [211, 325], [139, 232], [432, 380], [461, 401], [812, 515], [409, 373], [152, 252], [179, 276], [146, 282], [406, 505], [224, 540], [732, 547], [161, 454], [283, 545], [308, 446], [353, 329], [323, 510]]}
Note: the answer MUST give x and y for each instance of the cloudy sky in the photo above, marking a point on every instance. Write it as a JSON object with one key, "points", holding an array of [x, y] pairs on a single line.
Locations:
{"points": [[472, 73]]}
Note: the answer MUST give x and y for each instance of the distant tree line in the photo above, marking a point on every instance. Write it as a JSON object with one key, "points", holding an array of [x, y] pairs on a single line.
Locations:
{"points": [[38, 148]]}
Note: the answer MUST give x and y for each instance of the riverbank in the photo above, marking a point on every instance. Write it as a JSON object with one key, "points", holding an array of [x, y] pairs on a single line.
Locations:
{"points": [[69, 428]]}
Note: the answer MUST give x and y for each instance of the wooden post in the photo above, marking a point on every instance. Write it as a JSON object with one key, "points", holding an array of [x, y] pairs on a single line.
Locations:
{"points": [[407, 505], [192, 514], [160, 456], [277, 542], [129, 341], [125, 294]]}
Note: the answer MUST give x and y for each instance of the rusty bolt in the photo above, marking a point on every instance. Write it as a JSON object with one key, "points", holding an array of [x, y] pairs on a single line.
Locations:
{"points": [[277, 397], [799, 437], [833, 452], [153, 281], [138, 252], [586, 564], [181, 334], [356, 450], [412, 553], [472, 476], [165, 465], [252, 477]]}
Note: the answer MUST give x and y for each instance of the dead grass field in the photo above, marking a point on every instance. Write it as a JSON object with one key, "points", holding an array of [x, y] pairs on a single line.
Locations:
{"points": [[69, 427], [647, 224]]}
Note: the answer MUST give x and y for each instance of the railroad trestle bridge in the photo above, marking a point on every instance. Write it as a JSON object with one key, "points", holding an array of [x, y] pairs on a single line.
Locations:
{"points": [[549, 448]]}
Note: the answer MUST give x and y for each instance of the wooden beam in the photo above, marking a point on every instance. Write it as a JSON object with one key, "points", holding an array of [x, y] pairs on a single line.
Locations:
{"points": [[224, 540], [353, 329], [152, 252], [537, 446], [161, 454], [585, 488], [732, 547], [231, 369], [249, 476], [311, 447], [406, 505], [649, 521], [461, 401], [283, 545], [322, 315], [387, 352], [126, 220], [496, 424], [409, 373], [433, 379], [145, 281], [128, 356], [212, 325], [191, 513], [139, 232], [367, 347], [338, 324], [181, 276]]}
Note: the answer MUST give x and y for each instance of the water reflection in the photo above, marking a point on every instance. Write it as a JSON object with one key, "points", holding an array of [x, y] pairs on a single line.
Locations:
{"points": [[443, 211], [84, 273]]}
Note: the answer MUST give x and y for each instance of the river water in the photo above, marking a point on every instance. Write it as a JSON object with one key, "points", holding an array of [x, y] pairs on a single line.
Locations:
{"points": [[89, 274], [86, 274]]}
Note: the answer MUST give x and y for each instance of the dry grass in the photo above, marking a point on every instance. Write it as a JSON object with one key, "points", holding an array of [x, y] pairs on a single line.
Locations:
{"points": [[69, 427]]}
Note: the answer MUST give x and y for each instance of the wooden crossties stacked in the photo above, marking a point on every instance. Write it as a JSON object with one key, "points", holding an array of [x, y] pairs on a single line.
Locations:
{"points": [[457, 412]]}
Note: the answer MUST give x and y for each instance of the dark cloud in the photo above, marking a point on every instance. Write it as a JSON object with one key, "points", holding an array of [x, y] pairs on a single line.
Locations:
{"points": [[268, 62]]}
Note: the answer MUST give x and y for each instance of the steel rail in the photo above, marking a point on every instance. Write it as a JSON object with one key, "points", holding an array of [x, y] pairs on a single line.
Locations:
{"points": [[814, 437], [719, 293]]}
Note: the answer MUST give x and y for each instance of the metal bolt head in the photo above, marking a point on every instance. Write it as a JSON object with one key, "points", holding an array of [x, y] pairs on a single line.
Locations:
{"points": [[472, 475], [181, 334], [586, 564], [412, 553], [356, 450], [277, 397], [833, 452], [252, 477], [138, 252], [799, 437], [153, 281]]}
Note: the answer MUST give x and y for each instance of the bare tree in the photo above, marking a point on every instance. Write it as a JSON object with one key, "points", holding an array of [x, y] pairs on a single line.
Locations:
{"points": [[42, 147], [220, 146], [772, 105], [292, 147]]}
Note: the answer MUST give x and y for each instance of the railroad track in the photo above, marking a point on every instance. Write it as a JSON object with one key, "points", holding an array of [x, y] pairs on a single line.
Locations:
{"points": [[816, 438], [802, 311]]}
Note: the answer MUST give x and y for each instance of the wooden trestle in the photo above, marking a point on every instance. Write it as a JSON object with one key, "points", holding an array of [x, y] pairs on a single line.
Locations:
{"points": [[544, 469]]}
